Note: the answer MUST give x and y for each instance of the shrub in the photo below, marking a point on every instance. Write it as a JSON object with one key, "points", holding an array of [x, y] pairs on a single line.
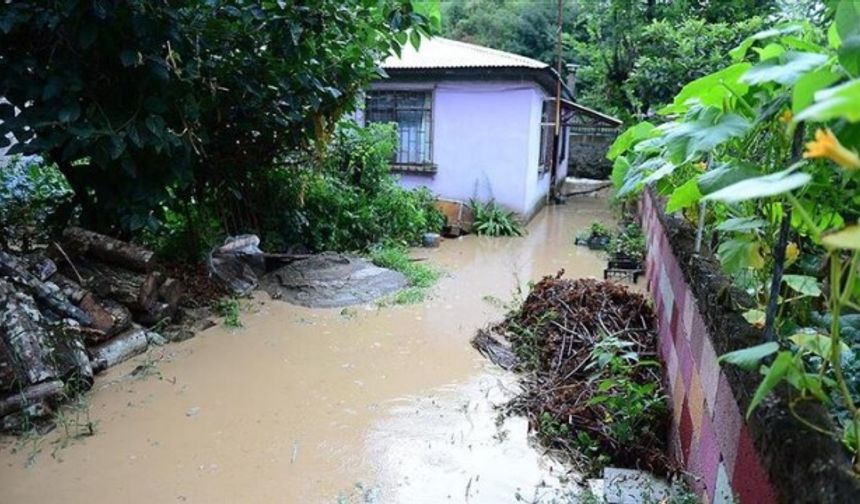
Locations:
{"points": [[493, 220], [420, 276], [629, 243], [32, 197]]}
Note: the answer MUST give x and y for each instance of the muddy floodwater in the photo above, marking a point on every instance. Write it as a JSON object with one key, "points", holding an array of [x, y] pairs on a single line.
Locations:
{"points": [[322, 405]]}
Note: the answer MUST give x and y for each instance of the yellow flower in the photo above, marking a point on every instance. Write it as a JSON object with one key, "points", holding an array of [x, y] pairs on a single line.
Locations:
{"points": [[791, 252], [786, 116], [826, 145]]}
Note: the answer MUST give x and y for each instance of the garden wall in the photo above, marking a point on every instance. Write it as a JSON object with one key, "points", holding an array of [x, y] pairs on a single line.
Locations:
{"points": [[770, 457]]}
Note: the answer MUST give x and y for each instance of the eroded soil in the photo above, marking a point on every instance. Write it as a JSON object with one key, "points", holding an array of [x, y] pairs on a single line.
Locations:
{"points": [[322, 405]]}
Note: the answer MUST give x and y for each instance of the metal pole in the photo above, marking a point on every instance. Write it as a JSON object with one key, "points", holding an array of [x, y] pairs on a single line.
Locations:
{"points": [[557, 129]]}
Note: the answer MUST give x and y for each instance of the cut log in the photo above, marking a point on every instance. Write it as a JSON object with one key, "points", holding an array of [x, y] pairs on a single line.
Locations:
{"points": [[26, 340], [123, 347], [117, 252], [45, 293], [49, 392], [137, 291], [171, 292], [69, 288], [8, 378], [156, 314], [109, 318], [71, 358]]}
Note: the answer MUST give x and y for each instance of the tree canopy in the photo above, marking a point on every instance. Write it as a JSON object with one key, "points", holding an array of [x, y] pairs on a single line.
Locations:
{"points": [[143, 100]]}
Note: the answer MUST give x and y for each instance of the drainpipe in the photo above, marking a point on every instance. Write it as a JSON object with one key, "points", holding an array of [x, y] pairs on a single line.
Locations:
{"points": [[557, 136]]}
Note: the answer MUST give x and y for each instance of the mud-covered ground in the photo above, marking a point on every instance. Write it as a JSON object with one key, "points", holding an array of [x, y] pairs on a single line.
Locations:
{"points": [[308, 405]]}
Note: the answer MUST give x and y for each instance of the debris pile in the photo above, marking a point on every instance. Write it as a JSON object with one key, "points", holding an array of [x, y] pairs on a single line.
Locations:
{"points": [[591, 383], [70, 311]]}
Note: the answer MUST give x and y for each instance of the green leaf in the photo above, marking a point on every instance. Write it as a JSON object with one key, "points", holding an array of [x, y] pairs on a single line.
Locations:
{"points": [[724, 175], [665, 169], [756, 318], [846, 238], [739, 254], [849, 55], [632, 135], [761, 187], [773, 375], [831, 103], [739, 52], [817, 343], [702, 131], [685, 195], [741, 224], [415, 39], [785, 69], [619, 171], [806, 285], [69, 112], [749, 358], [128, 58], [847, 19], [712, 89], [806, 87]]}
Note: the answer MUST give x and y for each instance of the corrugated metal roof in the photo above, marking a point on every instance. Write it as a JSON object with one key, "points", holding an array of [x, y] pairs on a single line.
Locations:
{"points": [[439, 52]]}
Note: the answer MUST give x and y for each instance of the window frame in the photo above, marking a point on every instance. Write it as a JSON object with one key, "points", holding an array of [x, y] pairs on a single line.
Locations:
{"points": [[423, 166]]}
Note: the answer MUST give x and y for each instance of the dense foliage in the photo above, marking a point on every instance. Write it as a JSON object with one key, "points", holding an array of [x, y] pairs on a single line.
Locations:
{"points": [[729, 155], [633, 54], [344, 199], [149, 106], [34, 199]]}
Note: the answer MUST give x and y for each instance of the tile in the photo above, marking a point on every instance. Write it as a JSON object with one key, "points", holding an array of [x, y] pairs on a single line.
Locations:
{"points": [[685, 360], [750, 482], [689, 308], [685, 431], [723, 490], [727, 423], [709, 456], [698, 335], [695, 401], [709, 371]]}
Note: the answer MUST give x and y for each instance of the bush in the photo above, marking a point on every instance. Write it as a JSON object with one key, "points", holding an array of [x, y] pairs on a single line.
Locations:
{"points": [[35, 202], [420, 276], [493, 220]]}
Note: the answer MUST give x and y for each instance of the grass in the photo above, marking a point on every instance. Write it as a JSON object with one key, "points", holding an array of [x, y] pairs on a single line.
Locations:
{"points": [[420, 276], [230, 309]]}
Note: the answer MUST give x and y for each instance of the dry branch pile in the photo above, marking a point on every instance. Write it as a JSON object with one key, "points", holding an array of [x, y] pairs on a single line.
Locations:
{"points": [[591, 384], [75, 309]]}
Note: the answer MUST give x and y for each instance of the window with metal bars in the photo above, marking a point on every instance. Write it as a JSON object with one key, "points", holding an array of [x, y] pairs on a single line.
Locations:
{"points": [[412, 111]]}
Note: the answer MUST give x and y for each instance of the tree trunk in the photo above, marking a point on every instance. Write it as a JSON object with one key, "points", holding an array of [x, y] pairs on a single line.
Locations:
{"points": [[125, 346], [117, 252], [109, 318], [51, 297], [26, 340], [47, 392]]}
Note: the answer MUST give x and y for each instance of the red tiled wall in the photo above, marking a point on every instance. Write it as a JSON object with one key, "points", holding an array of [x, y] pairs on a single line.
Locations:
{"points": [[708, 435]]}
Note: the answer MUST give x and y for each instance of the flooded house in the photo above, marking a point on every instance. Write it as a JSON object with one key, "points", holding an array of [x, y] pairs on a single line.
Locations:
{"points": [[477, 123]]}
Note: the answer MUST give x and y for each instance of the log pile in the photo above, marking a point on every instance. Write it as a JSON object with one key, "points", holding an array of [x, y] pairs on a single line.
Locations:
{"points": [[72, 310]]}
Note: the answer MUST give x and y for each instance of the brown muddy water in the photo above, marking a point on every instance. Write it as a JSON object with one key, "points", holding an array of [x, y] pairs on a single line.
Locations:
{"points": [[310, 405]]}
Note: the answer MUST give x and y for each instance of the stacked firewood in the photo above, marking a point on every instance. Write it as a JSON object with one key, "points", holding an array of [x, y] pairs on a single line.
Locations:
{"points": [[79, 307]]}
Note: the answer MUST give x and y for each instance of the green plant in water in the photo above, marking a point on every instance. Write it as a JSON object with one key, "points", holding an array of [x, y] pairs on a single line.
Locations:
{"points": [[629, 243], [490, 219], [421, 277], [230, 309]]}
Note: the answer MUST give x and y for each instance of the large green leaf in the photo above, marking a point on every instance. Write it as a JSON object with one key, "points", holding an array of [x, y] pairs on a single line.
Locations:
{"points": [[724, 175], [817, 343], [849, 54], [847, 238], [749, 358], [809, 84], [847, 18], [740, 52], [619, 171], [665, 169], [741, 224], [842, 101], [628, 138], [761, 187], [806, 285], [712, 89], [773, 375], [785, 69], [740, 254], [702, 131], [685, 195]]}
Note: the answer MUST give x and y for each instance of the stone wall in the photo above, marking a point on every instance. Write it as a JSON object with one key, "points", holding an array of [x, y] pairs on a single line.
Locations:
{"points": [[767, 458], [588, 156]]}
